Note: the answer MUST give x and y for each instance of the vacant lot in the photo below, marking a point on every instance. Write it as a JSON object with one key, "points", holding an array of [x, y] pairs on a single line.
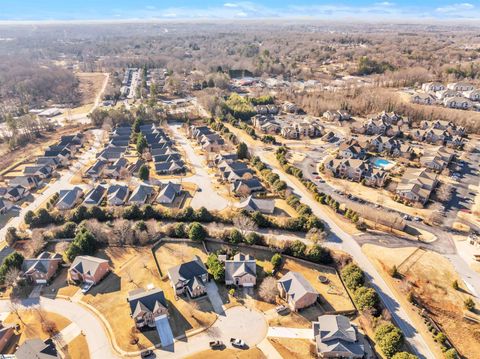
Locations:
{"points": [[78, 348], [90, 85], [429, 276]]}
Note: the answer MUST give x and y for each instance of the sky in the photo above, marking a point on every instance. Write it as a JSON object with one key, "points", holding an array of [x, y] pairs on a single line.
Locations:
{"points": [[367, 10]]}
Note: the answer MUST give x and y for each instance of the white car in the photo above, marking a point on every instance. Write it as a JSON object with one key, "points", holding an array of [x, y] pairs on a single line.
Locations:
{"points": [[86, 287]]}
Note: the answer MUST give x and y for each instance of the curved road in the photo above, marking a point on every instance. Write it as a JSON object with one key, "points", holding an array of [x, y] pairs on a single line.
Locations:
{"points": [[97, 339]]}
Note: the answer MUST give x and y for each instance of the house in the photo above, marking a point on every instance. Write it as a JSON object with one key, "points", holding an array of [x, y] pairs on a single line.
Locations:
{"points": [[351, 150], [171, 167], [337, 116], [241, 270], [41, 270], [28, 182], [212, 142], [95, 196], [38, 349], [117, 195], [134, 168], [296, 291], [226, 158], [52, 161], [141, 195], [436, 136], [88, 269], [460, 86], [245, 187], [40, 171], [168, 193], [289, 107], [352, 169], [265, 206], [15, 193], [437, 158], [266, 124], [117, 169], [68, 199], [447, 93], [189, 278], [305, 129], [146, 305], [423, 99], [235, 170], [472, 95], [416, 185], [97, 169], [433, 87], [458, 103], [336, 337]]}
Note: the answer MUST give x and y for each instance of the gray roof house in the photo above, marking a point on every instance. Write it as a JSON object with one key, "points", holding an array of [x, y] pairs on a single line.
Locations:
{"points": [[95, 196], [69, 198], [168, 193], [51, 161], [297, 291], [88, 269], [97, 169], [117, 195], [141, 194], [250, 204], [189, 278], [41, 269], [38, 349], [15, 193], [246, 186], [145, 305], [41, 171], [4, 206], [336, 337], [241, 270], [29, 182]]}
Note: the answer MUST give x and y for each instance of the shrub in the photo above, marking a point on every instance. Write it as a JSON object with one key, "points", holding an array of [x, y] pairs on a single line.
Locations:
{"points": [[352, 275], [144, 173], [215, 268], [242, 151], [451, 354], [469, 304], [67, 231], [319, 254], [404, 355], [13, 260], [297, 249], [366, 298], [389, 338], [179, 230], [455, 284], [253, 238], [235, 236], [196, 232], [11, 236], [83, 243], [132, 212], [276, 260]]}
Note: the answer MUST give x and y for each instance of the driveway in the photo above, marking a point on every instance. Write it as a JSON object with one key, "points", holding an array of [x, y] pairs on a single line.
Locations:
{"points": [[208, 197], [217, 303], [238, 322]]}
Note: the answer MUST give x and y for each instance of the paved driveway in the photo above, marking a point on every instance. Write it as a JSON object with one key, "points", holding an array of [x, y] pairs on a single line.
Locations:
{"points": [[238, 322], [215, 299]]}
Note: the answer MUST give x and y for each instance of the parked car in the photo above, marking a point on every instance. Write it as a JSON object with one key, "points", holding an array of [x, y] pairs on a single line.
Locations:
{"points": [[407, 217], [216, 344], [146, 353], [281, 308], [417, 219], [239, 343], [314, 173], [86, 287]]}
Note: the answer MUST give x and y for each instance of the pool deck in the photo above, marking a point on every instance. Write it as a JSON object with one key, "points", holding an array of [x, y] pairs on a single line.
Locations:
{"points": [[386, 167]]}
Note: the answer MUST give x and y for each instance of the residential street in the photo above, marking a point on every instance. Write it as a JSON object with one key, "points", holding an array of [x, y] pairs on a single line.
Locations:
{"points": [[60, 184], [348, 244], [208, 196], [90, 325]]}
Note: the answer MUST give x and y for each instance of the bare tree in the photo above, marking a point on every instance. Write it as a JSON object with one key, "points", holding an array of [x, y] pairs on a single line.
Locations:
{"points": [[268, 290], [244, 224], [123, 232], [11, 277]]}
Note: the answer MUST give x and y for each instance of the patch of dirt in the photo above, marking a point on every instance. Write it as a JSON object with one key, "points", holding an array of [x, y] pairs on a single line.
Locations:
{"points": [[90, 84]]}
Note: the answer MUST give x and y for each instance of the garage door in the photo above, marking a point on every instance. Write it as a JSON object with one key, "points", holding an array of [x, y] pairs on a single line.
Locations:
{"points": [[41, 281], [164, 330]]}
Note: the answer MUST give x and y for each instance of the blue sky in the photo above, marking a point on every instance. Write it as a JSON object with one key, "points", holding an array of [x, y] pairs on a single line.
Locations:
{"points": [[230, 9]]}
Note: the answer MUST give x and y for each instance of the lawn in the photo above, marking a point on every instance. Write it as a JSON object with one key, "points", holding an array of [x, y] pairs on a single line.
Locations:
{"points": [[30, 322], [333, 294], [293, 348], [253, 353], [185, 314], [78, 348], [132, 268]]}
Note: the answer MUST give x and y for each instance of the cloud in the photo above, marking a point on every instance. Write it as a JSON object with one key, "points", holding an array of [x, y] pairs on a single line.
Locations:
{"points": [[455, 8], [229, 4], [242, 14], [385, 3]]}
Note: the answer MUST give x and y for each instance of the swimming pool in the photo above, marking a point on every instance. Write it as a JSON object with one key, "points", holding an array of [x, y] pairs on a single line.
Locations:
{"points": [[382, 163]]}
